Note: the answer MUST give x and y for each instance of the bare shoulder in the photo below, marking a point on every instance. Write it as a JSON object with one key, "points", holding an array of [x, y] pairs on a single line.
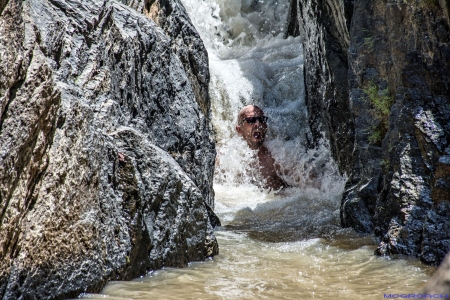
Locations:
{"points": [[264, 155], [268, 169]]}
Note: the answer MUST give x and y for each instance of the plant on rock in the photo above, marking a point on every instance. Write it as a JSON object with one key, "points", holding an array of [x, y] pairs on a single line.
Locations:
{"points": [[381, 102]]}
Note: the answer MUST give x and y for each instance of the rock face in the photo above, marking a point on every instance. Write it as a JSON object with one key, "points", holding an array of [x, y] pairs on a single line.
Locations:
{"points": [[440, 282], [322, 26], [185, 42], [404, 56], [106, 149], [398, 104]]}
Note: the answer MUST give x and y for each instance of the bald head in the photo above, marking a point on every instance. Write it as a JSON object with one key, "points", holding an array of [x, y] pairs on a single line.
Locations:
{"points": [[252, 126], [249, 109]]}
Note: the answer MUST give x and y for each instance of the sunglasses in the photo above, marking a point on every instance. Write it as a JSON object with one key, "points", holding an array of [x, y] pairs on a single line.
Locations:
{"points": [[252, 120]]}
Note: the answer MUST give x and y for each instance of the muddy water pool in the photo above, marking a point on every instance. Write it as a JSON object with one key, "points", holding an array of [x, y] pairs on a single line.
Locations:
{"points": [[263, 258]]}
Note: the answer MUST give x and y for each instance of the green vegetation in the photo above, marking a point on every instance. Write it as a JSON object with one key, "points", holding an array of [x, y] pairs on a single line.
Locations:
{"points": [[381, 102], [374, 134], [369, 39], [390, 147]]}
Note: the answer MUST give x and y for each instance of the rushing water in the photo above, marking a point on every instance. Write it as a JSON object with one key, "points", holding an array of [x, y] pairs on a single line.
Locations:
{"points": [[262, 258], [286, 245]]}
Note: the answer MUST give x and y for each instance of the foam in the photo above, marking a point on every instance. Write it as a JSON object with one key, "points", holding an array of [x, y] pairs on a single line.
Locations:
{"points": [[242, 23], [251, 63]]}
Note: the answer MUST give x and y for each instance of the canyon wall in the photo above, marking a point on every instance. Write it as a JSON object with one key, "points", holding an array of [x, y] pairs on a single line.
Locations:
{"points": [[106, 147], [382, 67], [325, 38]]}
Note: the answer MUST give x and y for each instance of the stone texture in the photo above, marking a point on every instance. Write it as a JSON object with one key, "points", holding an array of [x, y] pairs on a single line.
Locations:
{"points": [[106, 153], [172, 17], [404, 47], [398, 184], [440, 282], [325, 38]]}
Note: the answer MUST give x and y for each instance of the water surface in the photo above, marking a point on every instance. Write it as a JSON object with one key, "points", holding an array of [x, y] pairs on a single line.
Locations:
{"points": [[286, 245], [261, 261]]}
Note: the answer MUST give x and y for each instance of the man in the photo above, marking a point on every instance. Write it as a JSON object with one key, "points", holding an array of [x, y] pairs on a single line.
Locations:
{"points": [[252, 126]]}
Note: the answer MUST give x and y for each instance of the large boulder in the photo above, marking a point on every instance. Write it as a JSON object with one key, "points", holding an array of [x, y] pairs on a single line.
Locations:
{"points": [[106, 149], [323, 28], [399, 54], [395, 149]]}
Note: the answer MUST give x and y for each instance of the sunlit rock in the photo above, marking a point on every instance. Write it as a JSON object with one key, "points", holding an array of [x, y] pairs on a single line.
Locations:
{"points": [[106, 150], [398, 105]]}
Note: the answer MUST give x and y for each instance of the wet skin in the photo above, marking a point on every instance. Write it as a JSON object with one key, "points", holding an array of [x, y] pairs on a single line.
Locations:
{"points": [[255, 134], [268, 170]]}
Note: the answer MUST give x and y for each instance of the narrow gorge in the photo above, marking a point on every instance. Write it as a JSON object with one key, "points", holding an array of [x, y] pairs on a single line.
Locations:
{"points": [[117, 143]]}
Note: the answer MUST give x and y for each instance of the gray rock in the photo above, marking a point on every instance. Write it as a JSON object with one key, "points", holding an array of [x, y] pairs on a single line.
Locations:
{"points": [[440, 282], [325, 38], [404, 50], [173, 18], [396, 161], [106, 154], [354, 209]]}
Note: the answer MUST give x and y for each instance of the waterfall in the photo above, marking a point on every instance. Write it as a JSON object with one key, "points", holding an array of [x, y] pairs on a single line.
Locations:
{"points": [[286, 245], [252, 63]]}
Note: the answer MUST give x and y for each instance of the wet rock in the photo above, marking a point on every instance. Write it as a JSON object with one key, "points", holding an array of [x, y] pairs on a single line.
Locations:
{"points": [[354, 210], [106, 153], [395, 95], [172, 17], [324, 26], [440, 282], [398, 47], [325, 38]]}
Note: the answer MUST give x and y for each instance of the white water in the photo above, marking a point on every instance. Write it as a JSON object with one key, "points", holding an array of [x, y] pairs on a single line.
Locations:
{"points": [[272, 246], [251, 63], [272, 260]]}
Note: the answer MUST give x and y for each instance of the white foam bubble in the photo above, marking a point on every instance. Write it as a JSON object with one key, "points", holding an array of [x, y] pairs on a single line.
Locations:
{"points": [[237, 23], [251, 63]]}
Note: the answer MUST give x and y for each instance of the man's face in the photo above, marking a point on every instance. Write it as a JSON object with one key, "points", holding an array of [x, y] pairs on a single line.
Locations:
{"points": [[253, 131]]}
